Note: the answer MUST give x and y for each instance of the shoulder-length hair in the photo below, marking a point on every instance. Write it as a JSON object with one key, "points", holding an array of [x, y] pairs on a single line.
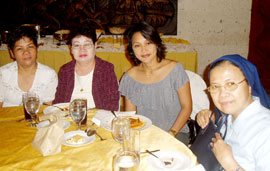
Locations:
{"points": [[149, 33]]}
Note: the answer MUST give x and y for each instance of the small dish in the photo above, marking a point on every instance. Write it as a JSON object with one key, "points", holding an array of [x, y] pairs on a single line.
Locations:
{"points": [[52, 109], [87, 139], [55, 110], [106, 118], [65, 124], [179, 161]]}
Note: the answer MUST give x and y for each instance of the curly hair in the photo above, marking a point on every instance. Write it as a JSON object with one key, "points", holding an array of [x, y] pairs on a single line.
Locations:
{"points": [[149, 33]]}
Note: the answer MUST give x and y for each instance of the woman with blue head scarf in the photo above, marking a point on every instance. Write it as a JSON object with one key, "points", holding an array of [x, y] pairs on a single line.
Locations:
{"points": [[236, 90], [251, 74]]}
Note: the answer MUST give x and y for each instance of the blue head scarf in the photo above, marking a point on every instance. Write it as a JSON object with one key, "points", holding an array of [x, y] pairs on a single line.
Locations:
{"points": [[251, 74]]}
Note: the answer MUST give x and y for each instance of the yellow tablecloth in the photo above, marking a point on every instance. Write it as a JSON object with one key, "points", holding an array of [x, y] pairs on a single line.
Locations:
{"points": [[55, 59], [17, 152]]}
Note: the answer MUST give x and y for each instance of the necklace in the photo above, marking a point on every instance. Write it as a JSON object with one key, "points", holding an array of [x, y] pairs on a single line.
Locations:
{"points": [[79, 81]]}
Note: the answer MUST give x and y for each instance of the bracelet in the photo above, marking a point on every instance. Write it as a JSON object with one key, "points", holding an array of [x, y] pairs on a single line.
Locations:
{"points": [[173, 132]]}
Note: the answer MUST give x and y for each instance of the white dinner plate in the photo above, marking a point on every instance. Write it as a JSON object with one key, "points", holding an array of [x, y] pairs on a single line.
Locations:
{"points": [[180, 161], [65, 124], [55, 110], [87, 139], [106, 120]]}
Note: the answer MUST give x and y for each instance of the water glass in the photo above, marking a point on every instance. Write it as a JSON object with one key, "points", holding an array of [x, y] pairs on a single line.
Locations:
{"points": [[78, 110], [84, 121], [32, 104], [120, 127], [27, 116], [131, 141], [126, 160]]}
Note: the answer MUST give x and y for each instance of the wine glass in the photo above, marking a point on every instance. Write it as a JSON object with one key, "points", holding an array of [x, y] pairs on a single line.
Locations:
{"points": [[78, 110], [32, 104], [120, 128]]}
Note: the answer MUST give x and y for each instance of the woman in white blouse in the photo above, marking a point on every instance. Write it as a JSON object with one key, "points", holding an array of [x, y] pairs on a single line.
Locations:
{"points": [[25, 73]]}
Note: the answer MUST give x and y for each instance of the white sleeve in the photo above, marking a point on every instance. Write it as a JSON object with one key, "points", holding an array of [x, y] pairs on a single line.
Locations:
{"points": [[50, 87], [262, 153]]}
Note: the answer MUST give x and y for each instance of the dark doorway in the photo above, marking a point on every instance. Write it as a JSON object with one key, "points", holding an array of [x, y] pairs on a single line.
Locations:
{"points": [[259, 44]]}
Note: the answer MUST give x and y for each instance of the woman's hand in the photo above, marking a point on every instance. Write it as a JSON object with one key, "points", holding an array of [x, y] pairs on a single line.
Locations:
{"points": [[223, 153], [203, 117]]}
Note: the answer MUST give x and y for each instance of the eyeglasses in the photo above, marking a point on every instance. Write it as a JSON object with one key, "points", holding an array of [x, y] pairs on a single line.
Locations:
{"points": [[85, 46], [229, 86]]}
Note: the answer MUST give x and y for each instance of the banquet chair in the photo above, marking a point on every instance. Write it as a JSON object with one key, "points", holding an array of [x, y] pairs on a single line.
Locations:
{"points": [[200, 101]]}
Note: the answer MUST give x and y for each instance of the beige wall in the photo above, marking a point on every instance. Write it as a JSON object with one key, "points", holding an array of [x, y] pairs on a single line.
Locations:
{"points": [[215, 27]]}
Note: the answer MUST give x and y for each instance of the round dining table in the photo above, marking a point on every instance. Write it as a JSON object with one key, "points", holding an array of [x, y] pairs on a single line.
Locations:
{"points": [[17, 152]]}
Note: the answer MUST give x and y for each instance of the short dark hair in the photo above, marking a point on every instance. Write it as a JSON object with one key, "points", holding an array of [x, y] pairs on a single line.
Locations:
{"points": [[149, 33], [20, 32], [84, 30]]}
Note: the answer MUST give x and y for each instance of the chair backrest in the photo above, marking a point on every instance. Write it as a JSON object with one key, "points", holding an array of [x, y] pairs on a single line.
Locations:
{"points": [[200, 99]]}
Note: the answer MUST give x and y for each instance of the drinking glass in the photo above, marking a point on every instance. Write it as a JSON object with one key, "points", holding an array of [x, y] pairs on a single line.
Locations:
{"points": [[120, 126], [131, 141], [32, 104], [78, 110], [126, 160], [27, 116]]}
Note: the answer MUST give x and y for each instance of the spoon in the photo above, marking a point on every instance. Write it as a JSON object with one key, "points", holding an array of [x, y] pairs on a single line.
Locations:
{"points": [[89, 127], [166, 163], [92, 132]]}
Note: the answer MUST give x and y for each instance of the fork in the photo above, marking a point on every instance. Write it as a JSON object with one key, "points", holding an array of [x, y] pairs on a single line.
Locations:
{"points": [[150, 151], [166, 163]]}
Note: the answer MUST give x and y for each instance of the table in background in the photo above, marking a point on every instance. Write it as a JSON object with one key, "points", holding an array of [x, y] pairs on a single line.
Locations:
{"points": [[55, 56], [55, 59], [17, 152]]}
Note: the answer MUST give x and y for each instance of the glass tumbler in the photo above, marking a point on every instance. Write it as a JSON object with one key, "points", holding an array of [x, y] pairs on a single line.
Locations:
{"points": [[126, 160], [131, 141], [27, 116]]}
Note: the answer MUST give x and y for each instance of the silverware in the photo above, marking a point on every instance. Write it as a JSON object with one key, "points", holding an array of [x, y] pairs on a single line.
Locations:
{"points": [[94, 131], [19, 120], [152, 151], [113, 113], [89, 127], [166, 163], [101, 139]]}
